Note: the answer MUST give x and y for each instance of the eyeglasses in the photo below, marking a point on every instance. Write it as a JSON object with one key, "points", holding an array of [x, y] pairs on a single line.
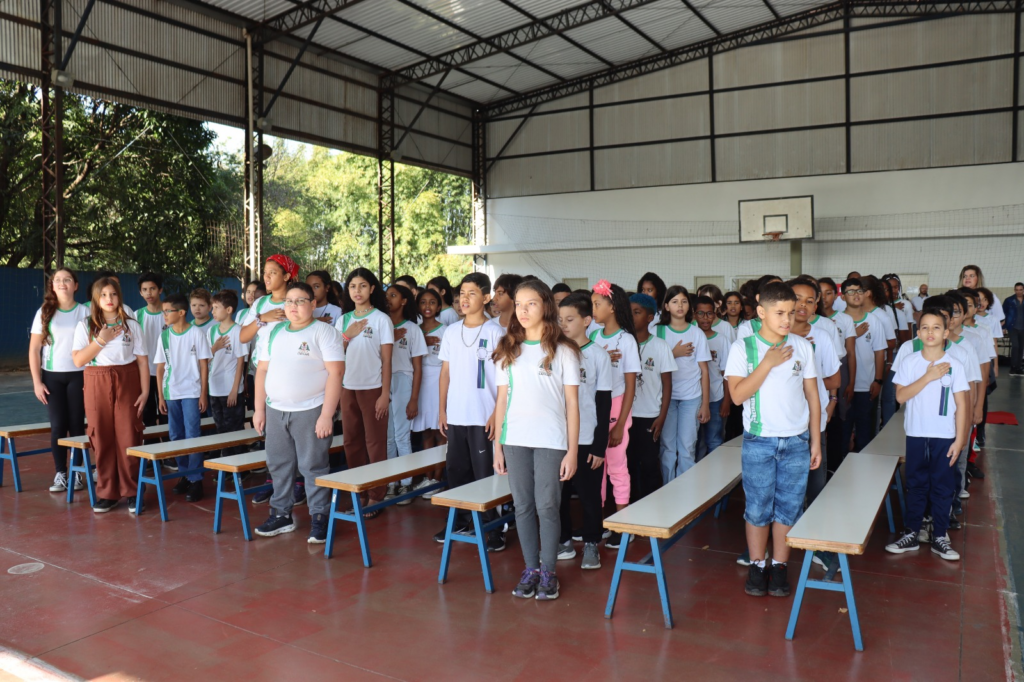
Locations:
{"points": [[64, 280], [855, 292], [700, 313], [296, 302]]}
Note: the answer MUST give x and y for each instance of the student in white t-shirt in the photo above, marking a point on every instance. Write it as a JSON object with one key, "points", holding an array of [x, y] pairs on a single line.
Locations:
{"points": [[200, 301], [227, 367], [254, 291], [406, 378], [56, 380], [151, 319], [427, 420], [448, 314], [712, 434], [109, 345], [933, 386], [328, 307], [298, 387], [503, 300], [691, 384], [773, 374], [595, 399], [538, 376], [183, 373], [651, 405], [869, 351], [108, 274]]}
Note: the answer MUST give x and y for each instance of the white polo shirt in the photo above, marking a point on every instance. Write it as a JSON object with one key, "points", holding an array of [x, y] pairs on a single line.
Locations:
{"points": [[296, 373], [839, 305], [932, 412], [864, 348], [471, 384], [718, 346], [152, 324], [120, 351], [595, 375], [222, 366], [655, 359], [845, 329], [180, 354], [686, 380], [406, 348], [629, 363], [363, 365], [885, 319], [535, 413], [56, 352], [778, 409]]}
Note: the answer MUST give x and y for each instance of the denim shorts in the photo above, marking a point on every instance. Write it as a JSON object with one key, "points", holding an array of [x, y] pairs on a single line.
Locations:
{"points": [[775, 474]]}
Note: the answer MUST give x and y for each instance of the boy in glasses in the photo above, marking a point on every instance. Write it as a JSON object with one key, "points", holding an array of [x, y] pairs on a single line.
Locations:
{"points": [[298, 388], [869, 352]]}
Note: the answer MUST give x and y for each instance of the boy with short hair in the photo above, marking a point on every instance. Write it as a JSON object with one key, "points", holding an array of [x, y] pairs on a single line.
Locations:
{"points": [[772, 373], [933, 385], [869, 349], [711, 435], [182, 372], [651, 403], [504, 300], [467, 395], [200, 301], [151, 320], [560, 291], [227, 368], [298, 389]]}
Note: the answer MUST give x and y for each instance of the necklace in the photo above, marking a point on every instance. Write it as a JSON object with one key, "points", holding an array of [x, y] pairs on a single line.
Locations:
{"points": [[462, 335]]}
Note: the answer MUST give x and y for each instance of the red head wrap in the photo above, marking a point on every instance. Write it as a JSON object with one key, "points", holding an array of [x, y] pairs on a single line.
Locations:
{"points": [[286, 263]]}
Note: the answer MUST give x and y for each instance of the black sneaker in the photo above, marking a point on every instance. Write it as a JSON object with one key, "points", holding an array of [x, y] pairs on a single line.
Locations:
{"points": [[907, 543], [133, 508], [102, 506], [195, 491], [181, 487], [954, 522], [942, 547], [757, 581], [613, 541], [318, 530], [495, 541], [263, 496], [548, 587], [275, 525], [528, 582], [778, 580], [973, 471], [458, 530], [299, 494]]}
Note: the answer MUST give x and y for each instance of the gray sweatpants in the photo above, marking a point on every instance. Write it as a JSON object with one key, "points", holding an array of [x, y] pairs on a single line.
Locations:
{"points": [[292, 444], [537, 493]]}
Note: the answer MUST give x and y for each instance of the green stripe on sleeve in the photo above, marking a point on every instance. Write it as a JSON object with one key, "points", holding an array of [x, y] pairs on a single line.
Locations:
{"points": [[750, 344]]}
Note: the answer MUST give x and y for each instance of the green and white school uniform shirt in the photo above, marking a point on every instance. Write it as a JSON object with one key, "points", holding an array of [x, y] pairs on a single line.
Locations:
{"points": [[535, 412], [984, 342], [432, 358], [718, 346], [56, 355], [826, 361], [363, 366], [748, 328], [629, 363], [845, 329], [448, 316], [406, 348], [963, 352], [778, 409], [472, 390], [180, 354], [724, 329], [296, 373], [120, 351], [330, 310], [864, 348], [822, 325], [225, 360], [264, 304], [595, 375], [655, 359], [152, 324], [932, 412], [686, 380], [884, 316]]}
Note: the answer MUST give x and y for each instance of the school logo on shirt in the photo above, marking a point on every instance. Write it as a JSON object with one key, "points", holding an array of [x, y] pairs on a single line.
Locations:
{"points": [[368, 332], [544, 369], [193, 350], [583, 374], [796, 368], [304, 349], [714, 356], [649, 364], [403, 342]]}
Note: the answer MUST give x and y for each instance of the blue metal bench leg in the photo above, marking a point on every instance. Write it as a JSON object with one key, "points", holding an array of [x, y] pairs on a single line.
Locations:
{"points": [[801, 587], [243, 508], [617, 576], [218, 505], [12, 456], [357, 509], [142, 485], [446, 554], [851, 603], [888, 513], [331, 525], [481, 546], [90, 485], [158, 484], [659, 574], [71, 475], [3, 451]]}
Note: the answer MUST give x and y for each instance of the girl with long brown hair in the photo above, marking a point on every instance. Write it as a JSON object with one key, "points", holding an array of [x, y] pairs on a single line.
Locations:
{"points": [[56, 381], [972, 277], [109, 345], [538, 377]]}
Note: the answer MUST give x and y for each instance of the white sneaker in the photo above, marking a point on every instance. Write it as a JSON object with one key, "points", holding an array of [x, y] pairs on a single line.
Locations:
{"points": [[79, 481], [964, 494], [425, 483], [60, 483], [566, 551], [402, 490], [392, 487]]}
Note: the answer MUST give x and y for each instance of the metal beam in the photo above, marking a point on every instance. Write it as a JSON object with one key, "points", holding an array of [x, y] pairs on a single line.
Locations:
{"points": [[253, 157], [78, 34], [511, 137], [704, 19], [771, 8], [479, 188], [291, 67], [1015, 138], [309, 12], [579, 46], [386, 184], [408, 129], [761, 33], [52, 130]]}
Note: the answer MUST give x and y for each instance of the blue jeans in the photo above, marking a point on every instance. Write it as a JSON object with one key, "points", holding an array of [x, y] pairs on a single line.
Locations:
{"points": [[679, 438], [400, 426], [888, 398], [930, 482], [182, 423], [775, 477], [710, 435]]}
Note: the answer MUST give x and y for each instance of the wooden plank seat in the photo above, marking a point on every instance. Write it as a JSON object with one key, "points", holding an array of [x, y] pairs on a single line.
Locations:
{"points": [[235, 466], [157, 452], [9, 452], [668, 514], [360, 479], [840, 520], [892, 441], [477, 498]]}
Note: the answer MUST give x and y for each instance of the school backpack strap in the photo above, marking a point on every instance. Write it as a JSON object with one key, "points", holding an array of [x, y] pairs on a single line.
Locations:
{"points": [[754, 403]]}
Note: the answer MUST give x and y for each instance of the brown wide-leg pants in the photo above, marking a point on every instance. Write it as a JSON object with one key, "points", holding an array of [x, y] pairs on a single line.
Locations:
{"points": [[113, 427], [366, 437]]}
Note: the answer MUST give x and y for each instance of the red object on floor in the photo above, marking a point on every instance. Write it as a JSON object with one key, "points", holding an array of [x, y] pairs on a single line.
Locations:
{"points": [[1005, 418]]}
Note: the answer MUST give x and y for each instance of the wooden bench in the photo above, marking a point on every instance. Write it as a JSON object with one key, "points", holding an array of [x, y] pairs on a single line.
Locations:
{"points": [[892, 441], [236, 465], [9, 452], [840, 520], [668, 514], [158, 452], [361, 479], [476, 497]]}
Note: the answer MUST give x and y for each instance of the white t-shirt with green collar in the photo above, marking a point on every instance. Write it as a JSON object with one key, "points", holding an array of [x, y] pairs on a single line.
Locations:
{"points": [[152, 324], [655, 360], [686, 380], [225, 360], [845, 329], [264, 304], [408, 347], [932, 412], [180, 354], [120, 351], [56, 353], [296, 374], [535, 411], [363, 365], [595, 375], [629, 363], [718, 346]]}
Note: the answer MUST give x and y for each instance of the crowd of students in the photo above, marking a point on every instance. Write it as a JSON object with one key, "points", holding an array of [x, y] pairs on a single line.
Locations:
{"points": [[588, 393]]}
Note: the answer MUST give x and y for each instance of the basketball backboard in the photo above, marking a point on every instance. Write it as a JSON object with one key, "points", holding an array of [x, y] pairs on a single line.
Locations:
{"points": [[779, 219]]}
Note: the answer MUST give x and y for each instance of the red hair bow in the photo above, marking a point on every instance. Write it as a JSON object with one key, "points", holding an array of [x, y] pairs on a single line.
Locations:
{"points": [[603, 287]]}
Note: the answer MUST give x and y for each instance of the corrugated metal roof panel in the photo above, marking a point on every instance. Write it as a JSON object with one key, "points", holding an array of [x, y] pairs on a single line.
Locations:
{"points": [[732, 15], [568, 130], [558, 55], [678, 163], [781, 155], [483, 17], [670, 23], [787, 106], [19, 44], [540, 175], [377, 51], [545, 8], [406, 25], [928, 144], [259, 11], [612, 39], [478, 91], [788, 7]]}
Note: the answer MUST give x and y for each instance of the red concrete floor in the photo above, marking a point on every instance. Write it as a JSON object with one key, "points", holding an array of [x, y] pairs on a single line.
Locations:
{"points": [[120, 598]]}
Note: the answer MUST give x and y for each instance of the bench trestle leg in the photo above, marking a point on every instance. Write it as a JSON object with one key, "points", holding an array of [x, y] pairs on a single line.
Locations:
{"points": [[243, 508], [446, 553], [84, 467], [659, 574], [481, 545], [12, 456], [218, 505], [851, 603], [617, 575], [333, 517], [798, 598], [364, 545]]}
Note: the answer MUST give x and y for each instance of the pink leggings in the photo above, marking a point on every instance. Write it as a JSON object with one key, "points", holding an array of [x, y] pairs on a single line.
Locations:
{"points": [[615, 459]]}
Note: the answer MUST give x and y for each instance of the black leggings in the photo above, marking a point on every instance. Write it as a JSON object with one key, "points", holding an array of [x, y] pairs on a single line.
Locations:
{"points": [[587, 482], [66, 407]]}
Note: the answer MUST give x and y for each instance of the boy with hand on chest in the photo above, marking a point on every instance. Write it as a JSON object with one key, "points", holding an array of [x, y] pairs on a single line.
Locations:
{"points": [[773, 373], [227, 368]]}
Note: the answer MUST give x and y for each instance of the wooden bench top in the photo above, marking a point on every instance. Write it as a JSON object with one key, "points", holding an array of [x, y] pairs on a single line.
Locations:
{"points": [[256, 459], [891, 440], [179, 448], [482, 495], [664, 512], [359, 479], [843, 515], [24, 430]]}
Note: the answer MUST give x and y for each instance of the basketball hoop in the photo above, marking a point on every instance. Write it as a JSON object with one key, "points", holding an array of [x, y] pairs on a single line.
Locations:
{"points": [[772, 236]]}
